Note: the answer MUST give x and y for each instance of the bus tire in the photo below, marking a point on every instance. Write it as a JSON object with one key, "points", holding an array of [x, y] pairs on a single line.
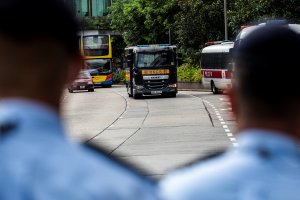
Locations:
{"points": [[172, 95], [213, 88], [136, 96], [131, 91]]}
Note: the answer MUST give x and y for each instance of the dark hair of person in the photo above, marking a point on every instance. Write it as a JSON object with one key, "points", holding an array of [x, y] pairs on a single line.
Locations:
{"points": [[27, 20], [266, 75]]}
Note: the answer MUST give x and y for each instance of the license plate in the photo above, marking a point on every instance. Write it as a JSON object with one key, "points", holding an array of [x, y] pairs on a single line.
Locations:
{"points": [[156, 92], [82, 87]]}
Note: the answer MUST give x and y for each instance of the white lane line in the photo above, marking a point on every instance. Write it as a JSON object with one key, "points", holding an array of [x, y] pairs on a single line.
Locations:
{"points": [[228, 132], [225, 109]]}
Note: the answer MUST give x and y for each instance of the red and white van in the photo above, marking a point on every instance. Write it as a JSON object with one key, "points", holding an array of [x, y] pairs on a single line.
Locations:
{"points": [[215, 61]]}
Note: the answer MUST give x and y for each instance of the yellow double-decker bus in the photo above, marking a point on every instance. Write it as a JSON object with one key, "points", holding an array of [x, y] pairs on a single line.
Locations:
{"points": [[97, 53]]}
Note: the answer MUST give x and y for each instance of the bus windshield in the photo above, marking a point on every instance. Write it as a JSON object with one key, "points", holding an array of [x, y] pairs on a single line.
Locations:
{"points": [[155, 59], [98, 66], [96, 45]]}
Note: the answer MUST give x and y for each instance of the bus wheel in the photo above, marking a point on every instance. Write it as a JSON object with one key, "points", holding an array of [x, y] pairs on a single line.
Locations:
{"points": [[136, 96], [214, 89], [131, 91], [172, 95]]}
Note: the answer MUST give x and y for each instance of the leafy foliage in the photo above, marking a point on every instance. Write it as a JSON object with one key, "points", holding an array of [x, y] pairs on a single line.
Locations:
{"points": [[198, 22], [189, 72], [143, 21], [244, 12], [94, 23], [119, 76]]}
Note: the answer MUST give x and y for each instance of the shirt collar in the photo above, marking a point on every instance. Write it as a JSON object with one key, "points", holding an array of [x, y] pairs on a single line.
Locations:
{"points": [[29, 115], [273, 141]]}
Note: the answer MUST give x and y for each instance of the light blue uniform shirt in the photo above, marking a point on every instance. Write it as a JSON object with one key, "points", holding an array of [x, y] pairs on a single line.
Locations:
{"points": [[265, 167], [37, 162]]}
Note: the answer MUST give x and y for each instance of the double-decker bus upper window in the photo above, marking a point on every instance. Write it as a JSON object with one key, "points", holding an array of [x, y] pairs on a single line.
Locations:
{"points": [[157, 59], [98, 66], [96, 45]]}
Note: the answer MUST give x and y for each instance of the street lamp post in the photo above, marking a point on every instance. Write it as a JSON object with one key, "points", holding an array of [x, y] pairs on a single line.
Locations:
{"points": [[225, 19]]}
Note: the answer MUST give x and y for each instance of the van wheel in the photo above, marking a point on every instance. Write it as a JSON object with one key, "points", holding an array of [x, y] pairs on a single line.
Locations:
{"points": [[214, 89]]}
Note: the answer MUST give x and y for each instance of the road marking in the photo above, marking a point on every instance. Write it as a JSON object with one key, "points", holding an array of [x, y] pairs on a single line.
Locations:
{"points": [[228, 132]]}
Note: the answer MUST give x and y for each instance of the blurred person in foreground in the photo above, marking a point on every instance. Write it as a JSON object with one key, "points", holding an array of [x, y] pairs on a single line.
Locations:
{"points": [[39, 56], [265, 99]]}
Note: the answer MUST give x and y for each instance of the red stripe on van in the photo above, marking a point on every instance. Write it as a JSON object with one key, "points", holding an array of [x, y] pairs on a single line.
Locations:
{"points": [[211, 74]]}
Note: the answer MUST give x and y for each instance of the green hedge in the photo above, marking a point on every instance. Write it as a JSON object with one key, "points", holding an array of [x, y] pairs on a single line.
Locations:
{"points": [[119, 76], [188, 72]]}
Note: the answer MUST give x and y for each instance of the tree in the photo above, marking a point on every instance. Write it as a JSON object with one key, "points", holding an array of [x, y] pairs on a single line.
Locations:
{"points": [[143, 21], [198, 22], [245, 12]]}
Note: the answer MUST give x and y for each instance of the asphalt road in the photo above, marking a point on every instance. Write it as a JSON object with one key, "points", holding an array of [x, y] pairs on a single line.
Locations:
{"points": [[156, 134]]}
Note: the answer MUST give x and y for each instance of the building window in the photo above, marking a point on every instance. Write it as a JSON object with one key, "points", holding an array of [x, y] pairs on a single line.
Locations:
{"points": [[91, 7]]}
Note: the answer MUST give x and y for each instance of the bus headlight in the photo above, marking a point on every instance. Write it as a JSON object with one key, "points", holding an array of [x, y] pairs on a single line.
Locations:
{"points": [[173, 85]]}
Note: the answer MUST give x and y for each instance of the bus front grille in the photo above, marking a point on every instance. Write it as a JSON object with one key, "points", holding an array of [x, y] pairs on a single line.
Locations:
{"points": [[155, 85]]}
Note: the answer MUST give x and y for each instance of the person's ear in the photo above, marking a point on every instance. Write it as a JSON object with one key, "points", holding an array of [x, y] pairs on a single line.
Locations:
{"points": [[75, 65]]}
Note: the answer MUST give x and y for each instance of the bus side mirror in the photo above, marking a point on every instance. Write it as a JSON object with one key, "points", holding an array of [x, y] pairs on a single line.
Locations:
{"points": [[129, 59]]}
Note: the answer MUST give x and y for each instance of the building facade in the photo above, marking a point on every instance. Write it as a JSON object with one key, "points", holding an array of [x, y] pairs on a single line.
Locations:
{"points": [[91, 8]]}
